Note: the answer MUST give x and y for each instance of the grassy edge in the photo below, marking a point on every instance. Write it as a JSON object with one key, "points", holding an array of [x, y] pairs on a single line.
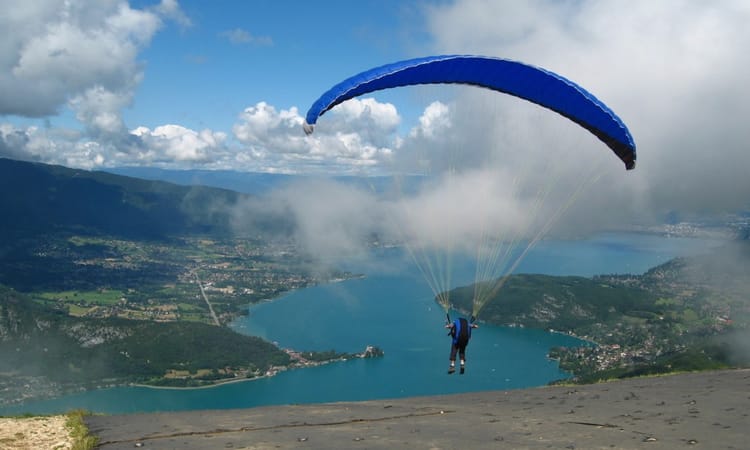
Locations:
{"points": [[614, 379], [82, 440]]}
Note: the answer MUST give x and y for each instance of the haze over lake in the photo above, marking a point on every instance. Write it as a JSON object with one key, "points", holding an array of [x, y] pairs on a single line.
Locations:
{"points": [[392, 308]]}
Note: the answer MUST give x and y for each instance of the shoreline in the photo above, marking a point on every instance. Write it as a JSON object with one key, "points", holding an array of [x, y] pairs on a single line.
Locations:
{"points": [[55, 391], [205, 386], [275, 371], [278, 371]]}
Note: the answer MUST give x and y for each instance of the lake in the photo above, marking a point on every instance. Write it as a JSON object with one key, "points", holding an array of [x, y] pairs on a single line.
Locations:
{"points": [[393, 308]]}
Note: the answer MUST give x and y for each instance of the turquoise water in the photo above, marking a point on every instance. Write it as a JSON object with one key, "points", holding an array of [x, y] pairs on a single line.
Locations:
{"points": [[392, 308]]}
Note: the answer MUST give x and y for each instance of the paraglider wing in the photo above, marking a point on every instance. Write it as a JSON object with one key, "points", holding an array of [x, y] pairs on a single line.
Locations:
{"points": [[531, 83]]}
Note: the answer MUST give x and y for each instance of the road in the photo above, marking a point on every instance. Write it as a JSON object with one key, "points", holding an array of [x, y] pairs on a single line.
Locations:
{"points": [[205, 297]]}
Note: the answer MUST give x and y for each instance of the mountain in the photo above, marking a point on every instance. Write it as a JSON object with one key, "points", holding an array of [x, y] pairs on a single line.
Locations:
{"points": [[23, 319], [257, 183], [248, 183], [714, 285], [38, 199]]}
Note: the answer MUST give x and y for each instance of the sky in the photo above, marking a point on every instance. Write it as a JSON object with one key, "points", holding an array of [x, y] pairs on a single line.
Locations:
{"points": [[225, 85]]}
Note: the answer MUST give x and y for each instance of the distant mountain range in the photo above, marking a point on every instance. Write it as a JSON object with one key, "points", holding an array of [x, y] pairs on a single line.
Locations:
{"points": [[257, 183], [145, 202], [38, 199], [248, 183], [148, 202]]}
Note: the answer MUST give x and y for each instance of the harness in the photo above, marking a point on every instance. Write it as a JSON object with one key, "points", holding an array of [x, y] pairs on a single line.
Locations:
{"points": [[461, 332]]}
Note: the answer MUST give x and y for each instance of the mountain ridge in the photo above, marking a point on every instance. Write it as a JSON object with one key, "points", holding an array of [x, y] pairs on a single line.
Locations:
{"points": [[39, 199]]}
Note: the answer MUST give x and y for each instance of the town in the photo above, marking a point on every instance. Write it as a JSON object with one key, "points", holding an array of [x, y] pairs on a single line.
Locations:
{"points": [[193, 279]]}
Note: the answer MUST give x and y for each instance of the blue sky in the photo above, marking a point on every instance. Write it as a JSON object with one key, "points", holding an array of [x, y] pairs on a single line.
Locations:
{"points": [[285, 53], [191, 66], [187, 84]]}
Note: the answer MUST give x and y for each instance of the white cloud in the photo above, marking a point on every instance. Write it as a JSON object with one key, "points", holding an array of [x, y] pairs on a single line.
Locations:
{"points": [[672, 70], [83, 55], [359, 135], [62, 50], [99, 109], [332, 221], [241, 36], [436, 117], [262, 122], [54, 146], [365, 112], [174, 143], [171, 9], [168, 146], [461, 211]]}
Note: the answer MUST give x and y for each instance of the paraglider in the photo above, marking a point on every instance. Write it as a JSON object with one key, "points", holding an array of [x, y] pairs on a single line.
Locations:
{"points": [[460, 333], [521, 80], [524, 81]]}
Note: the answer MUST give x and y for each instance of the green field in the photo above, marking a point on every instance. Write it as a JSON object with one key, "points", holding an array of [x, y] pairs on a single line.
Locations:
{"points": [[101, 297]]}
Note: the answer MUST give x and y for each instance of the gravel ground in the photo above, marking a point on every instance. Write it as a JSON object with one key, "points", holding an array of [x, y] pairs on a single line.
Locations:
{"points": [[35, 433], [708, 410]]}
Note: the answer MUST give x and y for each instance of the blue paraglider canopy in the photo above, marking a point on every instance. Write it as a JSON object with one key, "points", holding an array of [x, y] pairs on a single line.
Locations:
{"points": [[534, 84]]}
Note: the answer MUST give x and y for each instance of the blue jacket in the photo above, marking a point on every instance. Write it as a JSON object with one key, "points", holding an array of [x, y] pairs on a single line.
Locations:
{"points": [[461, 331]]}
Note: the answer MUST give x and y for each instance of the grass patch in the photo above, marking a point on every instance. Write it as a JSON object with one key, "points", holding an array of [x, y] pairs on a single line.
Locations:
{"points": [[188, 308], [77, 311], [82, 440], [195, 318], [666, 302], [689, 315], [99, 297]]}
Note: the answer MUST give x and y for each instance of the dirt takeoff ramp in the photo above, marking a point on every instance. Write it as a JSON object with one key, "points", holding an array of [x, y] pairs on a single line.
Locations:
{"points": [[708, 410]]}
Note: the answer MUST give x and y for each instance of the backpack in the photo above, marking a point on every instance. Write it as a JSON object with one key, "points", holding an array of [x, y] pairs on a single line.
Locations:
{"points": [[461, 331]]}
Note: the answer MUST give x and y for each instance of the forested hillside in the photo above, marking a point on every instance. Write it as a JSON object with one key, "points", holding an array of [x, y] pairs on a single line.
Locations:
{"points": [[36, 343], [41, 199], [687, 314]]}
